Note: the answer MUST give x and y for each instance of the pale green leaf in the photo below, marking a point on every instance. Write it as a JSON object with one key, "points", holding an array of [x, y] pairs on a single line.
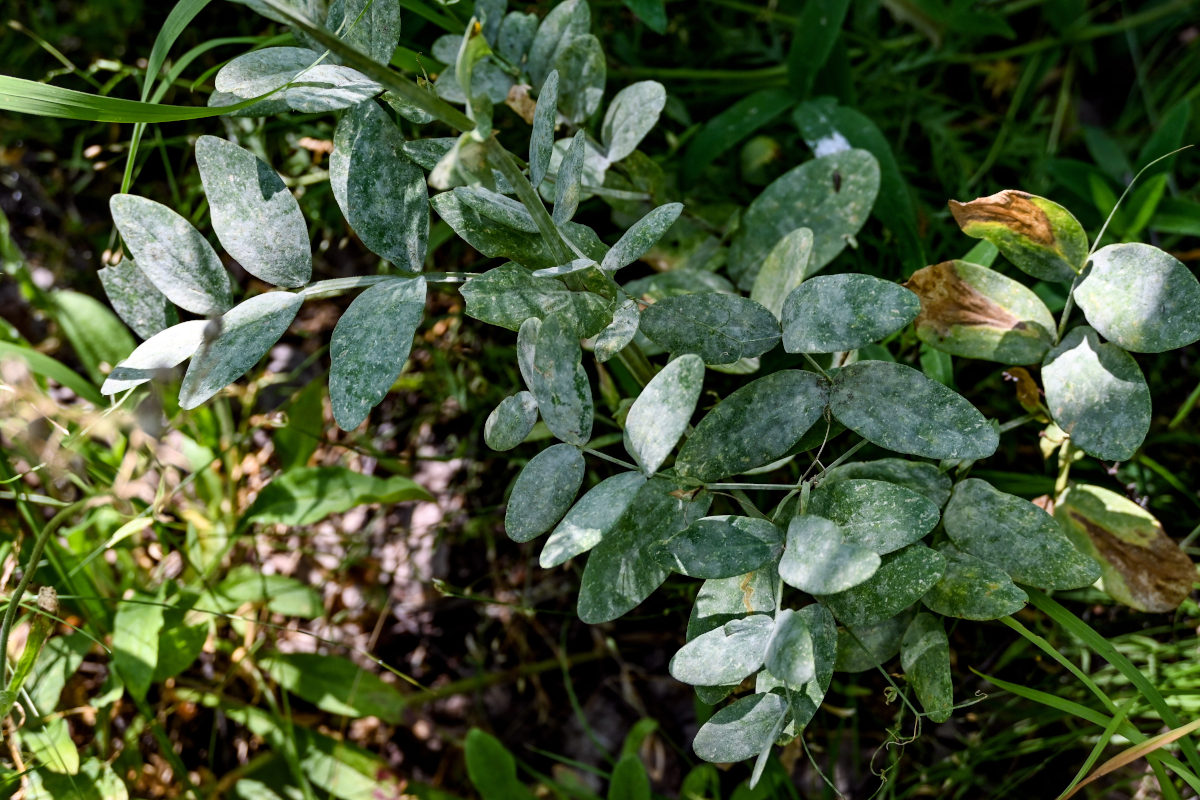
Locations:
{"points": [[896, 407], [723, 599], [901, 580], [100, 340], [1141, 298], [541, 140], [175, 257], [51, 746], [369, 26], [878, 515], [590, 520], [741, 730], [498, 207], [278, 593], [619, 333], [247, 332], [808, 698], [306, 495], [725, 655], [921, 477], [581, 71], [1097, 395], [820, 560], [720, 328], [662, 411], [370, 345], [543, 492], [806, 197], [785, 268], [510, 421], [245, 198], [832, 313], [755, 425], [336, 685], [1016, 536], [509, 294], [631, 115], [925, 658], [641, 236], [568, 181], [136, 629], [790, 656]]}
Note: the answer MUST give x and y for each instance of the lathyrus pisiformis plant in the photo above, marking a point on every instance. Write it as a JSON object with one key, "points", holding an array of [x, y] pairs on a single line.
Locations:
{"points": [[853, 562]]}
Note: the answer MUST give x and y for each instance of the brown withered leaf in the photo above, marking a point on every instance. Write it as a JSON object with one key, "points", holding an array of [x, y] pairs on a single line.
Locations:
{"points": [[519, 101], [1029, 395], [1037, 235], [947, 300], [1142, 567], [1011, 208]]}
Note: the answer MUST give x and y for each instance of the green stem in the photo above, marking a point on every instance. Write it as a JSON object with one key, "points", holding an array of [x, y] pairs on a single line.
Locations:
{"points": [[610, 459], [1018, 422], [837, 462], [778, 487], [812, 362], [503, 161], [339, 286]]}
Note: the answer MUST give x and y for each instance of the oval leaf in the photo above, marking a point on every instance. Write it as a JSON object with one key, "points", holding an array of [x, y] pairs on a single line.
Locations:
{"points": [[161, 351], [248, 331], [175, 257], [721, 547], [902, 578], [754, 426], [972, 588], [137, 301], [923, 478], [1141, 298], [370, 345], [725, 655], [623, 570], [619, 333], [1140, 565], [662, 411], [541, 140], [543, 492], [641, 236], [832, 313], [972, 311], [511, 421], [720, 328], [1015, 535], [305, 495], [510, 294], [819, 559], [808, 196], [785, 268], [381, 192], [925, 658], [741, 729], [1037, 235], [336, 685], [559, 383], [589, 520], [1096, 393], [874, 514], [896, 407], [632, 114], [245, 198]]}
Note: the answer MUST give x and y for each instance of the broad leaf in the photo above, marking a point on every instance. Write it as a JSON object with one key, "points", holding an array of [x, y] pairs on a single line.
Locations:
{"points": [[541, 140], [278, 593], [897, 407], [248, 331], [1140, 565], [510, 421], [820, 560], [138, 303], [742, 729], [972, 311], [831, 313], [590, 520], [369, 26], [543, 492], [808, 196], [725, 655], [381, 192], [164, 350], [95, 333], [925, 658], [972, 588], [1015, 535], [924, 479], [641, 236], [1037, 235], [581, 71], [662, 411], [1141, 298], [720, 328], [724, 546], [562, 24], [901, 580], [136, 629], [510, 294], [632, 114], [806, 701], [370, 345], [785, 268], [619, 333], [559, 382], [245, 198], [721, 600], [310, 494], [312, 86], [175, 257], [336, 685], [623, 570], [790, 655], [878, 515], [1096, 393], [755, 425], [492, 768], [865, 647]]}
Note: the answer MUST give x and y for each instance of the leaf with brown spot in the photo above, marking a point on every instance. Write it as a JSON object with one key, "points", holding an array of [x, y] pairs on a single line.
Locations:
{"points": [[1140, 565], [1038, 235], [1029, 395], [972, 311]]}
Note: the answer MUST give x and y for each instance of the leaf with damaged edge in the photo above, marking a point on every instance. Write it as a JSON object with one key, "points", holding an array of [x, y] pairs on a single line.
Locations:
{"points": [[619, 333], [1037, 235], [725, 655], [1015, 535], [165, 349], [543, 491]]}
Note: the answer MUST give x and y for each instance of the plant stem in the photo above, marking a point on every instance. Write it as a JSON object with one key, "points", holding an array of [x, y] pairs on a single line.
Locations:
{"points": [[813, 363], [338, 286], [1018, 422], [610, 459], [780, 487], [837, 462]]}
